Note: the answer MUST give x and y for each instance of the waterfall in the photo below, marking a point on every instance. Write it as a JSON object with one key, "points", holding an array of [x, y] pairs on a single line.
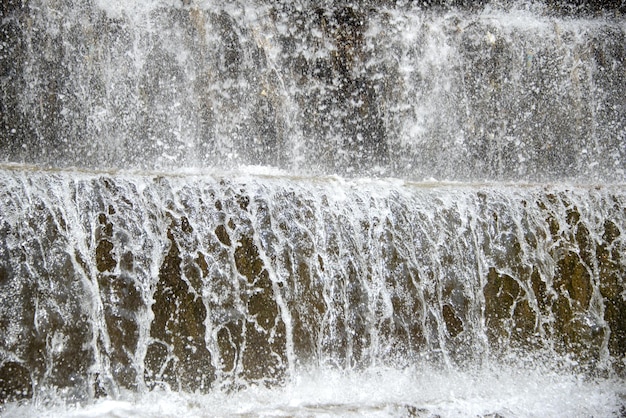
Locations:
{"points": [[353, 89], [223, 204]]}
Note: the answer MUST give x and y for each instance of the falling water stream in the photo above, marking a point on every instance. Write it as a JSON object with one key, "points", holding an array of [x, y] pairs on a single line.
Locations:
{"points": [[272, 209]]}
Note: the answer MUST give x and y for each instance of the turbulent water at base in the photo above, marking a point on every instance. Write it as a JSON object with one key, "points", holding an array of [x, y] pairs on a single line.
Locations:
{"points": [[312, 209]]}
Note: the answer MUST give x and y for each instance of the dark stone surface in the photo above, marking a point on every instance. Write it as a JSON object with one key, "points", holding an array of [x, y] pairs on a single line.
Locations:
{"points": [[178, 355], [15, 382]]}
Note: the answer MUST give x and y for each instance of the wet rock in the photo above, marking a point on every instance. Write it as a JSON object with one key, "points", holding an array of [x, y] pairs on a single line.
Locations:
{"points": [[222, 235], [104, 258], [121, 300], [229, 341], [612, 288], [574, 282], [454, 324], [265, 334], [501, 292], [178, 355], [15, 382], [247, 259]]}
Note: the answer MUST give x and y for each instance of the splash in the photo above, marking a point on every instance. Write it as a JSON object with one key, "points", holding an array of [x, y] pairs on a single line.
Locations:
{"points": [[376, 393]]}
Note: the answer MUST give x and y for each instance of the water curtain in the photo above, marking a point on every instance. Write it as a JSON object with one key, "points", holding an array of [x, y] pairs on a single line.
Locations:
{"points": [[201, 197]]}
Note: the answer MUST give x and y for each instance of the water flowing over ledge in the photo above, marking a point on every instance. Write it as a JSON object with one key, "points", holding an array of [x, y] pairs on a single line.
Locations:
{"points": [[212, 283]]}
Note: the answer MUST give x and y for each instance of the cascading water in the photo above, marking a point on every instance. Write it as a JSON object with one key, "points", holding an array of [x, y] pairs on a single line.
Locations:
{"points": [[231, 210]]}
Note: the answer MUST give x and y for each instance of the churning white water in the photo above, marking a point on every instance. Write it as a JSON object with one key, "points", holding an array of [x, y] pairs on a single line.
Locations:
{"points": [[377, 392]]}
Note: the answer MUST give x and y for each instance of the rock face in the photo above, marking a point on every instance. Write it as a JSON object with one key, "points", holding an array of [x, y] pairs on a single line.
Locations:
{"points": [[199, 283], [439, 89]]}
